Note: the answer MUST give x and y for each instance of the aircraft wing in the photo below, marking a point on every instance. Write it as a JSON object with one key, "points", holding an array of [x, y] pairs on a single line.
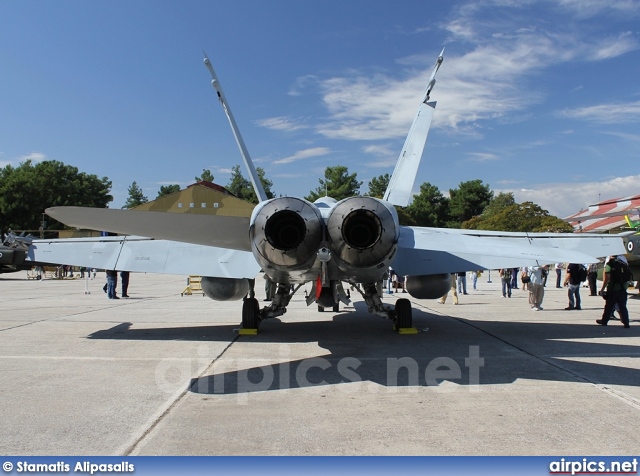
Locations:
{"points": [[208, 230], [441, 250], [140, 254]]}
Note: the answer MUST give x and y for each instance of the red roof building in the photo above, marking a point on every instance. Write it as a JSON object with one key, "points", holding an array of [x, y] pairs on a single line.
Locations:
{"points": [[606, 216]]}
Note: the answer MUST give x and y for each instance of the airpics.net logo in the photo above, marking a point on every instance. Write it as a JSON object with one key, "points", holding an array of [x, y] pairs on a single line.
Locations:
{"points": [[244, 376], [587, 466]]}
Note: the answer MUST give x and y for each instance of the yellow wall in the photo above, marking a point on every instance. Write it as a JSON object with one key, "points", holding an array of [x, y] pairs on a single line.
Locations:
{"points": [[192, 199]]}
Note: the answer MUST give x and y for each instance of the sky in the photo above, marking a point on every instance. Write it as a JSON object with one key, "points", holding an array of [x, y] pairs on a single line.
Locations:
{"points": [[536, 97]]}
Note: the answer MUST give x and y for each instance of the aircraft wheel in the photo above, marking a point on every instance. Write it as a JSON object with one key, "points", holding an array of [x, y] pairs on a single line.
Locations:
{"points": [[336, 308], [250, 314], [403, 314]]}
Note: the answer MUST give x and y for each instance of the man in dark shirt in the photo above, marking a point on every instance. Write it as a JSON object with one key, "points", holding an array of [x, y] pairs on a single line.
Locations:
{"points": [[614, 291], [573, 280]]}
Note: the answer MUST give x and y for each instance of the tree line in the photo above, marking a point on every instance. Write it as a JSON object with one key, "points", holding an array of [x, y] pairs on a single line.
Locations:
{"points": [[28, 189]]}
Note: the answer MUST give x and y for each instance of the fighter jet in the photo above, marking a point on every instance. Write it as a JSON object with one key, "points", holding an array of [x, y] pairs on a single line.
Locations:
{"points": [[13, 253], [328, 245]]}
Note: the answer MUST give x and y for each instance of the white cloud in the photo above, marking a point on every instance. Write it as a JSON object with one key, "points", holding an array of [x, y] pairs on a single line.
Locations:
{"points": [[381, 150], [590, 8], [565, 199], [382, 164], [33, 157], [483, 157], [613, 113], [223, 170], [613, 47], [281, 123], [493, 79], [387, 156], [622, 135], [303, 154]]}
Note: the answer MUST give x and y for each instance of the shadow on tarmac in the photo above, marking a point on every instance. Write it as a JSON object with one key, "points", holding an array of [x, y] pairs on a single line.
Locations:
{"points": [[362, 347]]}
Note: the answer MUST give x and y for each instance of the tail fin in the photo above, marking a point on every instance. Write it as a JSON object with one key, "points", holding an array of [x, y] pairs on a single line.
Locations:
{"points": [[253, 175], [635, 224], [404, 175]]}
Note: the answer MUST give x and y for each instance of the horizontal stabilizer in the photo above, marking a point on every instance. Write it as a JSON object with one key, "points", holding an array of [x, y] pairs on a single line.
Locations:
{"points": [[439, 250], [208, 230], [145, 255]]}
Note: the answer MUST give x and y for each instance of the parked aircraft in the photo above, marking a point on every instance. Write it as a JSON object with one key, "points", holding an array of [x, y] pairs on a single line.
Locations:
{"points": [[328, 244], [13, 253]]}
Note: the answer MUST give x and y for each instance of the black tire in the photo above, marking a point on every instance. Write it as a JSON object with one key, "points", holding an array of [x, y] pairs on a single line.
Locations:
{"points": [[336, 307], [404, 319], [250, 314], [320, 309]]}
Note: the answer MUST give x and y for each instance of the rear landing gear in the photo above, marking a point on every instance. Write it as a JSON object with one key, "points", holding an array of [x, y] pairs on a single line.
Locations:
{"points": [[250, 316], [401, 314], [404, 318]]}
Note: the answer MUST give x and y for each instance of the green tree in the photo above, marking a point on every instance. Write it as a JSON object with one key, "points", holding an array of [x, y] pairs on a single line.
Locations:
{"points": [[206, 176], [497, 204], [378, 185], [136, 197], [27, 190], [337, 183], [524, 217], [242, 187], [168, 190], [429, 207], [404, 218], [468, 200]]}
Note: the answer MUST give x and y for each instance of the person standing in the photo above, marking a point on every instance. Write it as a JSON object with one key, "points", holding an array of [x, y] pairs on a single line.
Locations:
{"points": [[558, 274], [614, 290], [573, 279], [453, 291], [525, 286], [592, 277], [514, 278], [474, 278], [112, 283], [536, 286], [505, 275], [462, 282], [124, 279], [391, 279], [401, 283]]}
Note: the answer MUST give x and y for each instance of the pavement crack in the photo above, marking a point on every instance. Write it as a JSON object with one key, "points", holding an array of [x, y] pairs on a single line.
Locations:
{"points": [[130, 449]]}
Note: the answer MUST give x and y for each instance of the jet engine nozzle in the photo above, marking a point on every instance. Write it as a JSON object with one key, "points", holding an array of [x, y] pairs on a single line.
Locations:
{"points": [[363, 232], [286, 233]]}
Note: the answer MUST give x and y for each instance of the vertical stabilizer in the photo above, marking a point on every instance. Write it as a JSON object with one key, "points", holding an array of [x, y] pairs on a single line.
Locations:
{"points": [[253, 175], [404, 175]]}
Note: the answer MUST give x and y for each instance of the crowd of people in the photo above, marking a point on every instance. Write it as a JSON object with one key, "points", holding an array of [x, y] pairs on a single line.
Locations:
{"points": [[617, 278]]}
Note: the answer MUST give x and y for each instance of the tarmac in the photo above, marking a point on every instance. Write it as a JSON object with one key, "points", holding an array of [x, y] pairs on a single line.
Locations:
{"points": [[165, 374]]}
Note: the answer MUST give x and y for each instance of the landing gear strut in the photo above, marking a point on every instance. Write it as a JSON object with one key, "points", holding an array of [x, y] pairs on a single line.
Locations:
{"points": [[401, 315]]}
